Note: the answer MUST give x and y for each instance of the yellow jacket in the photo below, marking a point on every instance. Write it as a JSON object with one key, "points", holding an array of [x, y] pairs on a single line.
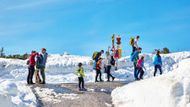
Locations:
{"points": [[80, 72]]}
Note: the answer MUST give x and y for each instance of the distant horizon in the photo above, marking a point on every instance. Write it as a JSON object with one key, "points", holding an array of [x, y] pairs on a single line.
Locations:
{"points": [[66, 52], [81, 27]]}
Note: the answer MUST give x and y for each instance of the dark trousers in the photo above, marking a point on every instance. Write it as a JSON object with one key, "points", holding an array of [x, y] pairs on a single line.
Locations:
{"points": [[30, 74], [156, 67], [98, 73], [81, 81], [141, 71], [42, 72], [108, 71], [136, 71]]}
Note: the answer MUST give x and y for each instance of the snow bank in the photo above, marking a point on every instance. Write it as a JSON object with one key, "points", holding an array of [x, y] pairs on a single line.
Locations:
{"points": [[62, 68], [169, 90], [16, 95]]}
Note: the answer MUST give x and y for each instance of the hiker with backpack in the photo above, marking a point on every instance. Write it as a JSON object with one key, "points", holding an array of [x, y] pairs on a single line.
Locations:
{"points": [[157, 61], [134, 43], [95, 57], [134, 59], [109, 62], [140, 66], [80, 74], [98, 70], [31, 67]]}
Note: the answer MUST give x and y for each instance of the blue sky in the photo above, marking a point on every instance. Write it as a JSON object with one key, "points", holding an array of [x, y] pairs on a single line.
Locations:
{"points": [[83, 26]]}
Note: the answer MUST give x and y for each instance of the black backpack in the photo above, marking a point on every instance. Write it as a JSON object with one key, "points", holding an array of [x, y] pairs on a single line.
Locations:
{"points": [[112, 61]]}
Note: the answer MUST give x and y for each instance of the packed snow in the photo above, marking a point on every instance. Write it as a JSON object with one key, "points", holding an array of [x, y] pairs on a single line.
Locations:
{"points": [[62, 68], [169, 90]]}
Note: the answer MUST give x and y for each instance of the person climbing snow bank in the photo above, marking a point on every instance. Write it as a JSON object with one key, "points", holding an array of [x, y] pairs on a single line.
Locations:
{"points": [[157, 61], [140, 66], [134, 59]]}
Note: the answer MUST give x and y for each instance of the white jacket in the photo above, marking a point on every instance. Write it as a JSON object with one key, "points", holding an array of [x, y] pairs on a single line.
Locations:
{"points": [[136, 43], [108, 60]]}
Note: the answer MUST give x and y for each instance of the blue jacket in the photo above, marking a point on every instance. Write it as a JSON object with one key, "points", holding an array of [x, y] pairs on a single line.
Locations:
{"points": [[45, 55], [157, 60], [134, 56]]}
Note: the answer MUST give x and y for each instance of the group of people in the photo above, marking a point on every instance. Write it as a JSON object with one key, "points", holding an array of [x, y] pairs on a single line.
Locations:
{"points": [[139, 61], [99, 65], [36, 66], [109, 61]]}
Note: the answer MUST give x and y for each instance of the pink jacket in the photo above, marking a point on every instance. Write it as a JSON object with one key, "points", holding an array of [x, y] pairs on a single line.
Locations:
{"points": [[140, 63]]}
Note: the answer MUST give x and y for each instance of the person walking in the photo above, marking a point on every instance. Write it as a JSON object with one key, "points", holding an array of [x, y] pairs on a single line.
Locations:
{"points": [[157, 61], [109, 61], [98, 70]]}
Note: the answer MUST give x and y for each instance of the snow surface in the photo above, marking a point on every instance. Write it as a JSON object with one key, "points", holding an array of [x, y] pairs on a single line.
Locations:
{"points": [[62, 68], [169, 90]]}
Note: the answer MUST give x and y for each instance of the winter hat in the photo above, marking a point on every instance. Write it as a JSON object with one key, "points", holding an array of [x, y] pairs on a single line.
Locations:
{"points": [[80, 64]]}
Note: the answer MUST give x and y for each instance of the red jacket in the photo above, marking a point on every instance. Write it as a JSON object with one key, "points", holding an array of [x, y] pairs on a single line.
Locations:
{"points": [[32, 59]]}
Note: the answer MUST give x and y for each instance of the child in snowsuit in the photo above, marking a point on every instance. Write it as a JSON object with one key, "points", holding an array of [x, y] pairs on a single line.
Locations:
{"points": [[80, 74], [157, 61], [134, 59], [140, 66], [98, 70]]}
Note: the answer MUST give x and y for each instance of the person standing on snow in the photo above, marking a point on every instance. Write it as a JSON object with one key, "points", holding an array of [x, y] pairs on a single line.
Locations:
{"points": [[135, 46], [98, 70], [80, 74], [134, 43], [134, 59], [31, 67], [157, 61], [109, 61], [44, 55], [140, 66]]}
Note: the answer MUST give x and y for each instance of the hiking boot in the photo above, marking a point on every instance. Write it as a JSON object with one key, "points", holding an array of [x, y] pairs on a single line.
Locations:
{"points": [[84, 89], [101, 80], [43, 82], [113, 78]]}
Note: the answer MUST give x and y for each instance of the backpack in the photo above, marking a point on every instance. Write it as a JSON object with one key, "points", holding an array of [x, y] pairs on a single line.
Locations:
{"points": [[112, 61], [28, 62], [94, 55], [132, 41]]}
